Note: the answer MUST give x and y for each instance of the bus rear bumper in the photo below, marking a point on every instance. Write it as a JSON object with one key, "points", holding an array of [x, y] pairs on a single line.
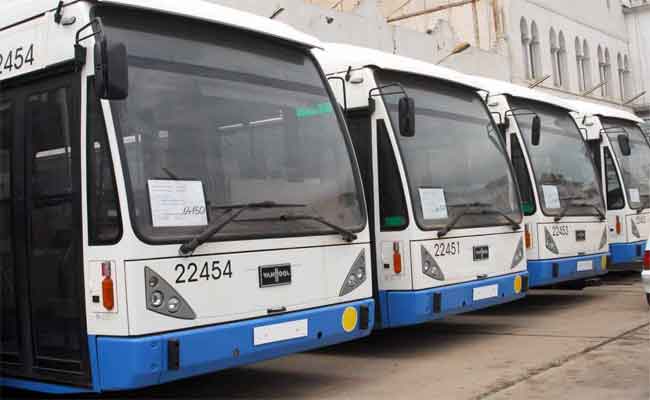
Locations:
{"points": [[626, 256], [549, 272], [400, 308]]}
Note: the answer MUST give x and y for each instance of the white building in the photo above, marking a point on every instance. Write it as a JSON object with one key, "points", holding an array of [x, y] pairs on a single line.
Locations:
{"points": [[637, 18], [583, 46]]}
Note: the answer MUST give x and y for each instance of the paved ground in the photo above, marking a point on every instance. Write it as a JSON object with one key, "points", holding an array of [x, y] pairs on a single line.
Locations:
{"points": [[556, 344]]}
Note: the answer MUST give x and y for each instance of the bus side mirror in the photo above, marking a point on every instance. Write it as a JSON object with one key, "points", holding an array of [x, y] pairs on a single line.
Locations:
{"points": [[406, 109], [536, 130], [624, 145], [111, 70]]}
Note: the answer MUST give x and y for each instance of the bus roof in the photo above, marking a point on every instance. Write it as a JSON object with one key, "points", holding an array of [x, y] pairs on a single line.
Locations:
{"points": [[496, 87], [338, 57], [15, 11], [586, 107]]}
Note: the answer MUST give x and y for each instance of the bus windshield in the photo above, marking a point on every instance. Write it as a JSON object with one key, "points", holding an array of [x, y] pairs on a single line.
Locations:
{"points": [[216, 117], [635, 167], [456, 164], [563, 168]]}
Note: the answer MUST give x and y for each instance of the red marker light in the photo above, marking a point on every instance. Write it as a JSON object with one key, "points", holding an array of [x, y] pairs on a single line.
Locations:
{"points": [[646, 260], [397, 258], [618, 225], [107, 287]]}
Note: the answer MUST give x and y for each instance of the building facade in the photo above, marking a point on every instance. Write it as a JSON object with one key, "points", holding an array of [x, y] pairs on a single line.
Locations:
{"points": [[596, 49]]}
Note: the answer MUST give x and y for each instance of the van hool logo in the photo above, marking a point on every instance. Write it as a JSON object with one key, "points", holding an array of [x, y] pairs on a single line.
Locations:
{"points": [[275, 275]]}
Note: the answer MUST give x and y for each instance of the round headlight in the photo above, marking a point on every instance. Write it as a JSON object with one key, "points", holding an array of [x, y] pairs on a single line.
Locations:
{"points": [[352, 280], [153, 281], [427, 265], [173, 304], [361, 272], [157, 298]]}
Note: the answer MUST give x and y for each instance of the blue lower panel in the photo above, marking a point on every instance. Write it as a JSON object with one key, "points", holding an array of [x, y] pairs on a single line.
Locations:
{"points": [[548, 272], [127, 363], [44, 387], [625, 254], [401, 308]]}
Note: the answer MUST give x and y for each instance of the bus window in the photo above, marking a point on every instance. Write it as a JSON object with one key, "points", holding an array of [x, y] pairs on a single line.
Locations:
{"points": [[361, 134], [523, 178], [104, 222], [392, 204], [615, 200]]}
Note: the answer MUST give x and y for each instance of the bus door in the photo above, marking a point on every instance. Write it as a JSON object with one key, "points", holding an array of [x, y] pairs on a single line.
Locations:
{"points": [[43, 326]]}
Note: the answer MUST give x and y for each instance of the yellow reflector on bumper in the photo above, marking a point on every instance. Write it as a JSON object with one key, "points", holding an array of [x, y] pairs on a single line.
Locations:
{"points": [[517, 285], [603, 263], [349, 319]]}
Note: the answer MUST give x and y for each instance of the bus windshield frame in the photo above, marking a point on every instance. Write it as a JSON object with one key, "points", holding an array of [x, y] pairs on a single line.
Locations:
{"points": [[242, 117], [631, 166], [481, 189], [559, 145]]}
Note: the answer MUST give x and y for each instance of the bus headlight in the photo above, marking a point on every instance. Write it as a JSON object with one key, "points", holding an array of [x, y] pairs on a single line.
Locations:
{"points": [[430, 267], [550, 243], [157, 290], [603, 239], [519, 254], [157, 298], [635, 230], [356, 276]]}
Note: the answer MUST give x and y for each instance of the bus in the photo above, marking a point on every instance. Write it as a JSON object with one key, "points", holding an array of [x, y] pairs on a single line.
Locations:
{"points": [[565, 228], [622, 156], [444, 208], [179, 195]]}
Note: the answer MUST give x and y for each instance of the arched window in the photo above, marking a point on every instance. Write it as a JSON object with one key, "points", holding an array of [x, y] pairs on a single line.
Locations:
{"points": [[525, 44], [579, 61], [563, 72], [555, 50], [627, 78], [608, 74], [601, 71], [535, 56], [621, 76], [586, 66]]}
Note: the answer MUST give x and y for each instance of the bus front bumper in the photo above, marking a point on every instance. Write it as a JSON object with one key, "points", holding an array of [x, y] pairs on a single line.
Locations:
{"points": [[400, 308], [128, 363], [624, 256], [549, 272]]}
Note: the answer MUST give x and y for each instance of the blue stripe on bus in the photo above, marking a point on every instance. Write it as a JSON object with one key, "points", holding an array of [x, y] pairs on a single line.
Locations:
{"points": [[44, 387], [626, 253], [127, 363], [541, 272], [400, 308]]}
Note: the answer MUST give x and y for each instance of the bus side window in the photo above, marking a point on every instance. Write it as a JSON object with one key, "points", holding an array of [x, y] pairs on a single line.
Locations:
{"points": [[392, 205], [360, 126], [104, 219], [523, 178], [615, 200]]}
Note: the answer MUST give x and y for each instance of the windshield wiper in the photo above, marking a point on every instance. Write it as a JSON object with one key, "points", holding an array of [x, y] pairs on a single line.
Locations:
{"points": [[347, 235], [188, 248], [468, 211], [570, 204]]}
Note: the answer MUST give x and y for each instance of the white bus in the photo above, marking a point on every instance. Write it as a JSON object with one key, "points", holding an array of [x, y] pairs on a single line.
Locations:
{"points": [[622, 155], [564, 213], [179, 195], [445, 216]]}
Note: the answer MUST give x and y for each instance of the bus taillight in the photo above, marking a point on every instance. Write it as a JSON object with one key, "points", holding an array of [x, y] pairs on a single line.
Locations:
{"points": [[397, 258], [646, 260], [107, 286]]}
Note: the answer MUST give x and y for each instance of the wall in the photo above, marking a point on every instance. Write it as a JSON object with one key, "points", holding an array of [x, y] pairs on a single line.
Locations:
{"points": [[637, 19], [589, 20]]}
